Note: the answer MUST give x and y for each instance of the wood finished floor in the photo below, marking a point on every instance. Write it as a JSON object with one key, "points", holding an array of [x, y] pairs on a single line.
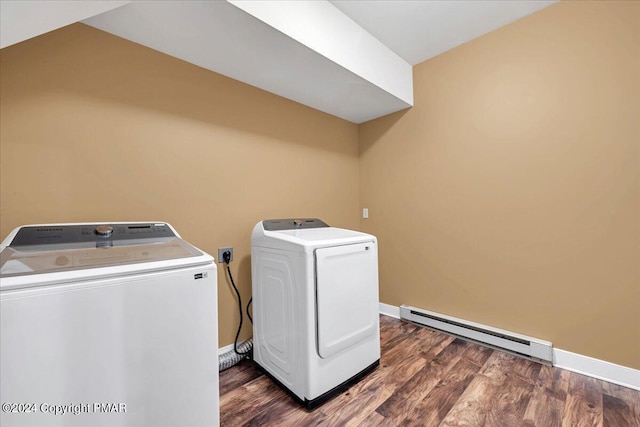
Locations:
{"points": [[427, 378]]}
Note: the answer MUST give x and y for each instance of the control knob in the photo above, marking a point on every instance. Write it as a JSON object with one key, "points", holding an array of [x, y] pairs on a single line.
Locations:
{"points": [[103, 230]]}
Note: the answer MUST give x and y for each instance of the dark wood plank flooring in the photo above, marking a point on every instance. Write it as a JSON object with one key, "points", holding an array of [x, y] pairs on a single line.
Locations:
{"points": [[427, 378]]}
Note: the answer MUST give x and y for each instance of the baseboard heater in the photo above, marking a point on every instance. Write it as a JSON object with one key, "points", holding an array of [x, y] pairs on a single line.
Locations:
{"points": [[521, 345]]}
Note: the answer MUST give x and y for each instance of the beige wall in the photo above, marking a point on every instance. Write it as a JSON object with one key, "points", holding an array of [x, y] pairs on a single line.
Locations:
{"points": [[509, 194], [95, 128]]}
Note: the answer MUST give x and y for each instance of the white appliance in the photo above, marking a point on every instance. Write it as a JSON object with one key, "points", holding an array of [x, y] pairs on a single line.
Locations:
{"points": [[107, 325], [315, 306]]}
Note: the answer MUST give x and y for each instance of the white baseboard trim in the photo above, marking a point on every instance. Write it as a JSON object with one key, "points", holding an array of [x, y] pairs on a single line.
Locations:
{"points": [[389, 310], [600, 369], [225, 349]]}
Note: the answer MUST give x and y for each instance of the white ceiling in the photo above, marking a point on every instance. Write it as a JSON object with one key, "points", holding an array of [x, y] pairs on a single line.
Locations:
{"points": [[347, 73], [348, 58], [23, 19], [420, 29]]}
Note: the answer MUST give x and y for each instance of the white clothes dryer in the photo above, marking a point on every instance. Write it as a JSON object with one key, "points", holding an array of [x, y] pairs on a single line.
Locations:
{"points": [[315, 306], [107, 325]]}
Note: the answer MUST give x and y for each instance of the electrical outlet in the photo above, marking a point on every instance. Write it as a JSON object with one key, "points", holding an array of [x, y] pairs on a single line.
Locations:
{"points": [[365, 213], [221, 251]]}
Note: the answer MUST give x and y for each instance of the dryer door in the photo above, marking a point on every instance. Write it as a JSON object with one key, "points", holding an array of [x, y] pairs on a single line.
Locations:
{"points": [[347, 296]]}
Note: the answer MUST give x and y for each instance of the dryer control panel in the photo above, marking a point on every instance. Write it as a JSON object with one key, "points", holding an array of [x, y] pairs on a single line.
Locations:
{"points": [[292, 224]]}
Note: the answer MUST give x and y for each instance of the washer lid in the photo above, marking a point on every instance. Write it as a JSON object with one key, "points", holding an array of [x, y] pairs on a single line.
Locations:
{"points": [[26, 260], [35, 251]]}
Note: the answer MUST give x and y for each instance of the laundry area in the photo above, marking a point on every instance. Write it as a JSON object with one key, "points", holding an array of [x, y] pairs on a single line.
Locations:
{"points": [[327, 212]]}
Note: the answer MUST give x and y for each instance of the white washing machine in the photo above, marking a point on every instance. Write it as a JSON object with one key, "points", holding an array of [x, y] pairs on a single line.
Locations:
{"points": [[107, 325], [315, 306]]}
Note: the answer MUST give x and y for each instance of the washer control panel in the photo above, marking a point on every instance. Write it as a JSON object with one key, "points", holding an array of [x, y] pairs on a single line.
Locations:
{"points": [[292, 224], [85, 233]]}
